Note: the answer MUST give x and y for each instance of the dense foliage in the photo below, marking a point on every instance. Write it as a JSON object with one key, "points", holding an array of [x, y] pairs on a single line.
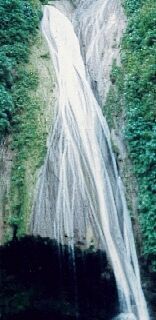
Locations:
{"points": [[19, 21], [20, 106], [28, 142], [139, 65], [135, 92]]}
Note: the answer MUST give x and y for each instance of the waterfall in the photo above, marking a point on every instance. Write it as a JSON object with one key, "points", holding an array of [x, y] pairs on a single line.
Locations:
{"points": [[99, 26], [80, 197]]}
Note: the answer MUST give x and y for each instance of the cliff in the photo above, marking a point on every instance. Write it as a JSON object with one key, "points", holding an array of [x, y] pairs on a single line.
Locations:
{"points": [[22, 152]]}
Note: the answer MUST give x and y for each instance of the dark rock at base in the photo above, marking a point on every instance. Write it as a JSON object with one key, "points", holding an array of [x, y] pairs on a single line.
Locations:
{"points": [[41, 280], [149, 285]]}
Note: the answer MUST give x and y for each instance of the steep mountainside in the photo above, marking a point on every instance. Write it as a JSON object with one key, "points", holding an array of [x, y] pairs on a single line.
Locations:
{"points": [[28, 81]]}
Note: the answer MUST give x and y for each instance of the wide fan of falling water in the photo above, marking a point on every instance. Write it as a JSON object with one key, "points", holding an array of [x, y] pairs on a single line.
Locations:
{"points": [[80, 195]]}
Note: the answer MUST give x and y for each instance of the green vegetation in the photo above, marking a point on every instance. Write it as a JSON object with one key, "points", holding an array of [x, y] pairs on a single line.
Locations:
{"points": [[34, 92], [18, 26], [28, 143], [22, 103], [133, 93], [19, 23], [44, 1], [113, 108]]}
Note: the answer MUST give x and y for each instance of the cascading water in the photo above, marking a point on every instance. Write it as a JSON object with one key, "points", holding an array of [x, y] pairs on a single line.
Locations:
{"points": [[99, 26], [80, 196]]}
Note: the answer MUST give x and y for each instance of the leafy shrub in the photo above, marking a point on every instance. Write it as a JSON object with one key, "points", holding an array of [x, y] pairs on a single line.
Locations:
{"points": [[6, 107], [135, 93], [137, 85], [19, 21], [132, 5]]}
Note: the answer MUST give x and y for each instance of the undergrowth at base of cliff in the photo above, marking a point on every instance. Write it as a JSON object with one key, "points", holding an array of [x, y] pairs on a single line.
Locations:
{"points": [[133, 93]]}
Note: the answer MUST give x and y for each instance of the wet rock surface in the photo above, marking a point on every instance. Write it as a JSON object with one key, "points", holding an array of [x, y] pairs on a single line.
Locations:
{"points": [[6, 158]]}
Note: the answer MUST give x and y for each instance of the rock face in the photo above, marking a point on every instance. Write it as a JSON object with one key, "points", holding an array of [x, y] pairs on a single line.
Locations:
{"points": [[79, 191], [110, 33], [6, 158], [99, 26], [43, 99], [149, 280]]}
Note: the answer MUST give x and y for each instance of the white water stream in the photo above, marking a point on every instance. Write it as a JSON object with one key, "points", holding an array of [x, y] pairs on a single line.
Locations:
{"points": [[99, 26], [80, 196]]}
